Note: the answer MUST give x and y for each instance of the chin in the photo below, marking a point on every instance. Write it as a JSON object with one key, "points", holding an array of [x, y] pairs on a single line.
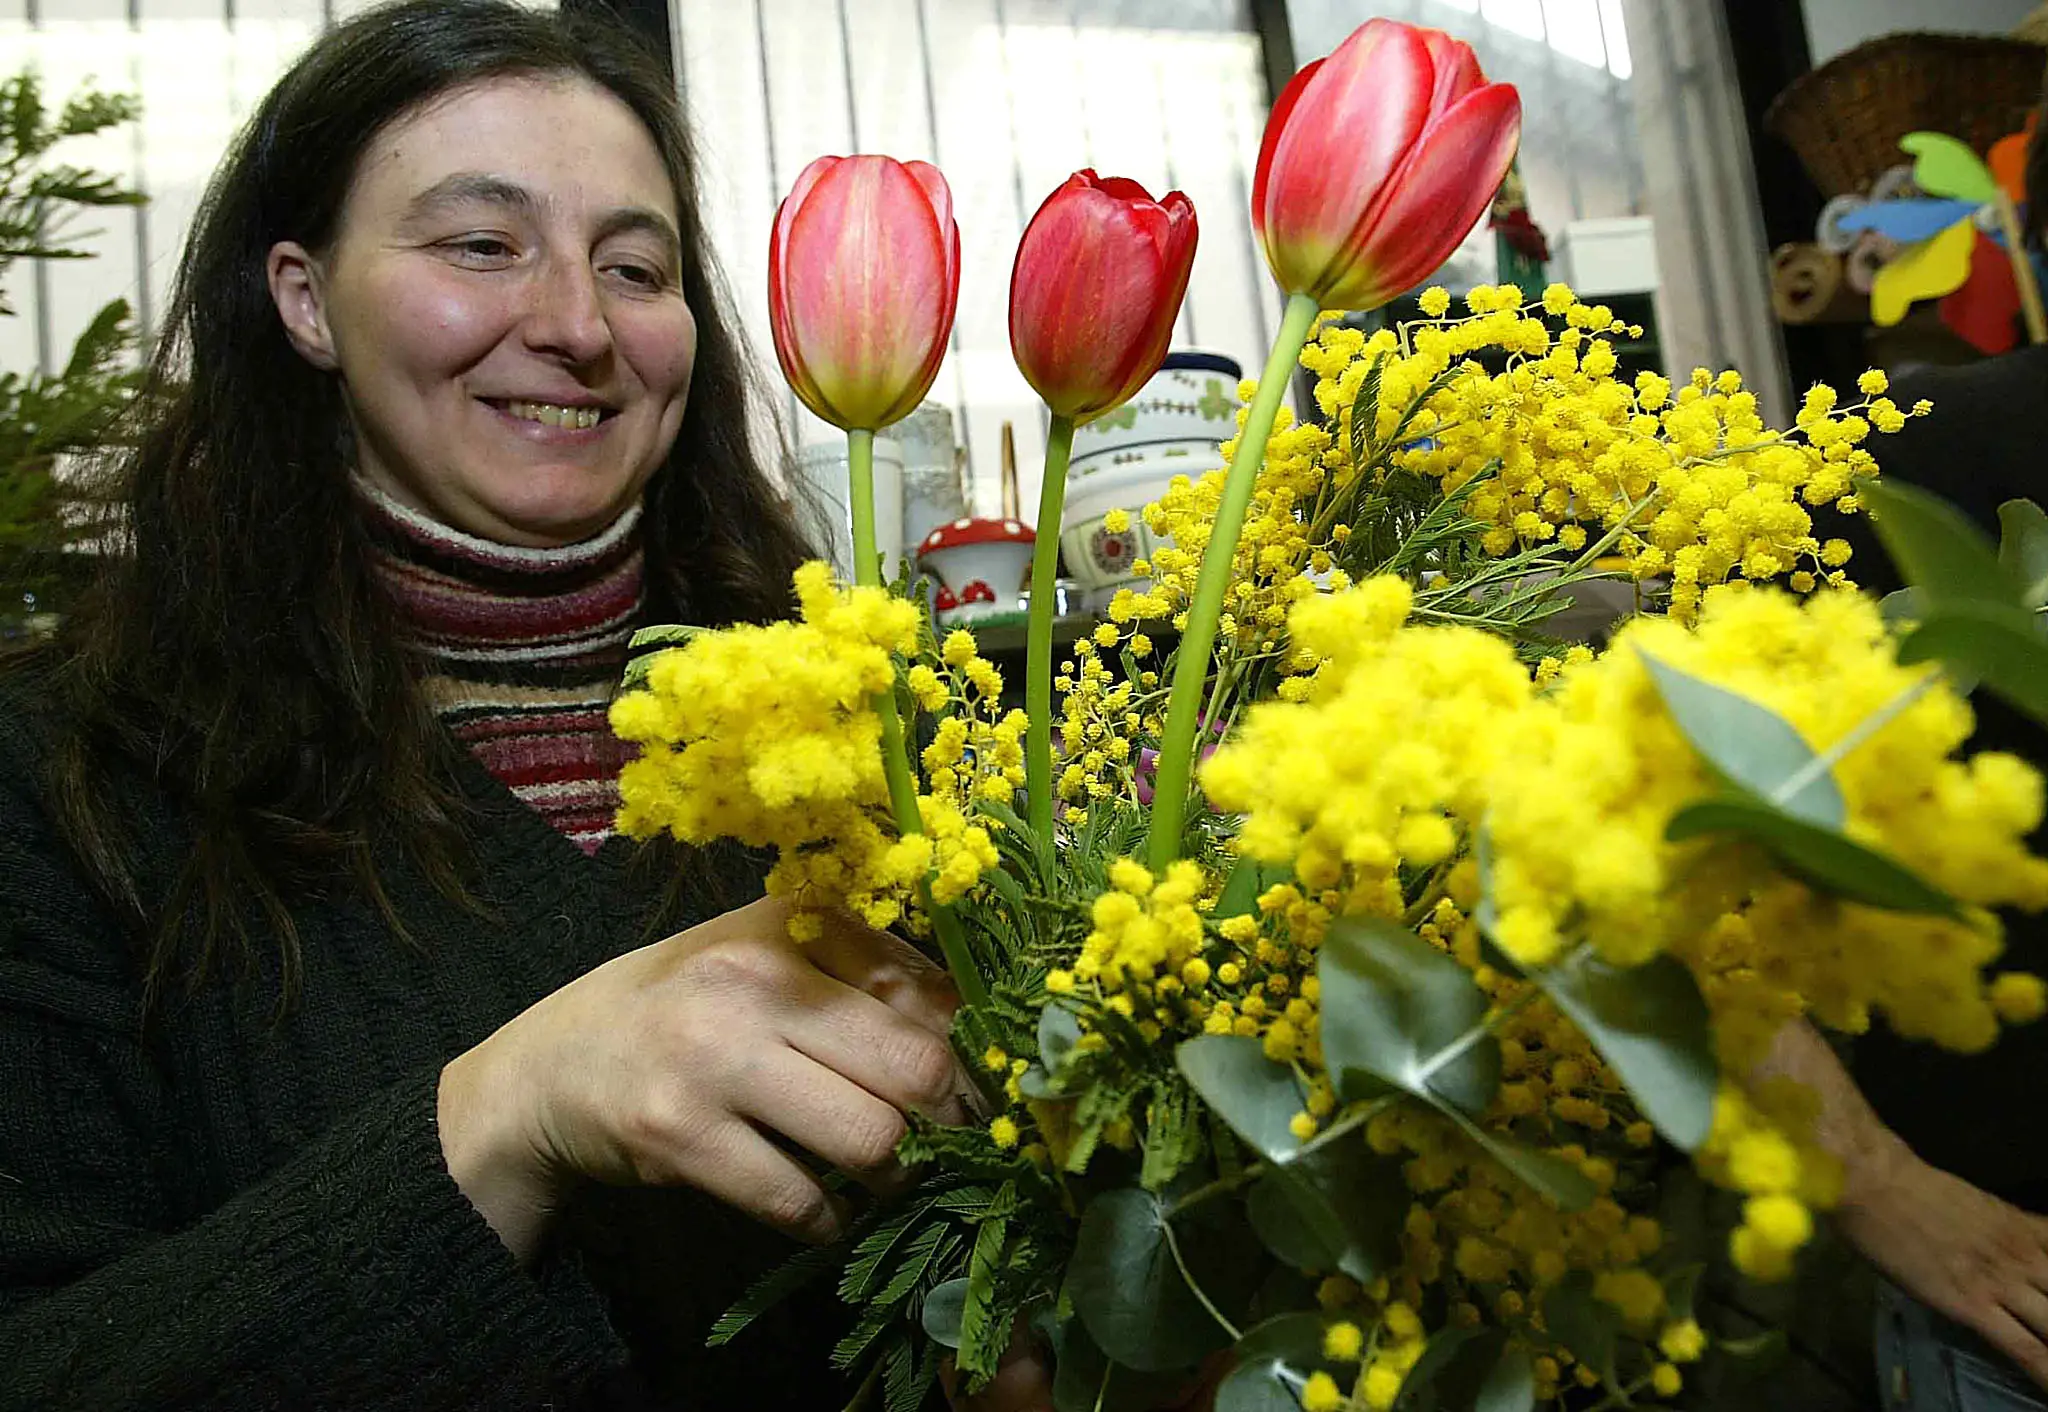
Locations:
{"points": [[549, 520]]}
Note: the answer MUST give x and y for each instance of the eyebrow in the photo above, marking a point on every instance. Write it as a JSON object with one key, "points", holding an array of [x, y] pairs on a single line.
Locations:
{"points": [[479, 187]]}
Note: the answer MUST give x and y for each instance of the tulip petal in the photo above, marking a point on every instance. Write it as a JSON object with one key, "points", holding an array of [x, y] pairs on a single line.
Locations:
{"points": [[1346, 137], [786, 347], [1276, 123], [941, 197], [1457, 69], [1095, 290], [1434, 201], [864, 277]]}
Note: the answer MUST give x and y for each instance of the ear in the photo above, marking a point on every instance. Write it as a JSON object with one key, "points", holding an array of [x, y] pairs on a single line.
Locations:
{"points": [[297, 288]]}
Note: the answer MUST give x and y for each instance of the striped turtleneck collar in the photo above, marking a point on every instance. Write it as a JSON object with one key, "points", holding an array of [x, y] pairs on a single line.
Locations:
{"points": [[521, 650]]}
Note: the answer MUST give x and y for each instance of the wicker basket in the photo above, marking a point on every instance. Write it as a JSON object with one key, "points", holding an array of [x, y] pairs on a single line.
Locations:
{"points": [[1846, 117]]}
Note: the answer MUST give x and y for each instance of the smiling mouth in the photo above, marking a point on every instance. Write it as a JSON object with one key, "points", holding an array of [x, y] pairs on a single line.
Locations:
{"points": [[549, 414]]}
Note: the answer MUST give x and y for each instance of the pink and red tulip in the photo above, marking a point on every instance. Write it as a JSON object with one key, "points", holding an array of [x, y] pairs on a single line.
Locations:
{"points": [[863, 277], [1095, 291], [1377, 161]]}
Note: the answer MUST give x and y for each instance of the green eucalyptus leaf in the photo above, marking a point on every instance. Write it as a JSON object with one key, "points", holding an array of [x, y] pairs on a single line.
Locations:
{"points": [[1448, 1372], [1059, 1030], [1240, 896], [1084, 1380], [1469, 1370], [1902, 608], [1751, 745], [2023, 549], [1486, 914], [1550, 1174], [1937, 548], [1255, 1095], [1998, 644], [1270, 1364], [1035, 1083], [1823, 858], [943, 1307], [1650, 1025], [1585, 1325], [1337, 1207], [1946, 166], [1128, 1290], [1510, 1385], [1391, 1004]]}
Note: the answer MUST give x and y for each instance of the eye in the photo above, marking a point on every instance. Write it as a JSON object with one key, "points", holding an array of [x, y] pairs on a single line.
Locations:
{"points": [[638, 275], [480, 250]]}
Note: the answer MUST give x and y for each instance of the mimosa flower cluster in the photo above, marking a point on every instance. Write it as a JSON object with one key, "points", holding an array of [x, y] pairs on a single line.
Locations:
{"points": [[1404, 741], [768, 735]]}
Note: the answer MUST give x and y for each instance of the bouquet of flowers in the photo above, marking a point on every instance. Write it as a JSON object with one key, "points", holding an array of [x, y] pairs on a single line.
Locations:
{"points": [[1341, 958]]}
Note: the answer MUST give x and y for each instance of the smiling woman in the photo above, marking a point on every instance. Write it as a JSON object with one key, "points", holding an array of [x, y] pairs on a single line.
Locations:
{"points": [[346, 1059], [504, 310]]}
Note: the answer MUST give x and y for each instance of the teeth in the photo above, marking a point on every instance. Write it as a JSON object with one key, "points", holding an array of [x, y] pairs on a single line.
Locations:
{"points": [[548, 414]]}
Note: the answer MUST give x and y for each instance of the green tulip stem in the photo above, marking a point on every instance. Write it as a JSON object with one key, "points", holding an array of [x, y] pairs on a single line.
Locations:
{"points": [[867, 573], [1045, 562], [1176, 764]]}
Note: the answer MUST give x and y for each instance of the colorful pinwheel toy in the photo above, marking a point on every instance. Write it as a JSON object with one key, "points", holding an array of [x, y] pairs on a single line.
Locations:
{"points": [[1960, 241]]}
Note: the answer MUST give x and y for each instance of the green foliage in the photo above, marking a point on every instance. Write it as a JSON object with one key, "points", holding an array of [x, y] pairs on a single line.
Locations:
{"points": [[44, 417], [1781, 796], [1126, 1283], [1469, 1370], [1830, 861], [1337, 1206], [2023, 549], [1256, 1096], [1978, 610], [1589, 1327], [1393, 1009], [1752, 747], [1650, 1024], [1271, 1364]]}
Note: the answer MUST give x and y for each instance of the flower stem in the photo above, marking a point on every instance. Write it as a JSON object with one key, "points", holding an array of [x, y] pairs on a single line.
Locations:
{"points": [[1188, 1277], [867, 572], [1045, 559], [1191, 667]]}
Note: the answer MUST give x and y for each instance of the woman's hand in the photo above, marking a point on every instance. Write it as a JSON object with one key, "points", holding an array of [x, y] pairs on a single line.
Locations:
{"points": [[1956, 1248], [671, 1065]]}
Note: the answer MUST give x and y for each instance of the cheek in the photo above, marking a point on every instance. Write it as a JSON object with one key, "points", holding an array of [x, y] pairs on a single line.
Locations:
{"points": [[422, 325], [662, 351]]}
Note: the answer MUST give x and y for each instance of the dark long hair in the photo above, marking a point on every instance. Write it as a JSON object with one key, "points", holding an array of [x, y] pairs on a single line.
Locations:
{"points": [[237, 650]]}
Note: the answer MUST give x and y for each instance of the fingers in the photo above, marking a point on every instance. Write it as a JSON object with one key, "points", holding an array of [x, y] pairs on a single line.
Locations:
{"points": [[851, 1033], [888, 968], [1020, 1386], [828, 1115], [2008, 1336], [1023, 1382], [2027, 1304], [743, 1169]]}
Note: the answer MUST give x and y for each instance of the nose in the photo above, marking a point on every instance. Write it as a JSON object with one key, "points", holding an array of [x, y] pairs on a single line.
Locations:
{"points": [[566, 316]]}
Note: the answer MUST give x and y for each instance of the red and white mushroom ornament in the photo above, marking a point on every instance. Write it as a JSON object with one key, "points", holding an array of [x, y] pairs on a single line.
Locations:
{"points": [[980, 565]]}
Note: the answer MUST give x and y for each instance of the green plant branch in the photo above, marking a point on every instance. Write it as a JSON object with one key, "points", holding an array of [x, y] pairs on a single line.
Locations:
{"points": [[1177, 743]]}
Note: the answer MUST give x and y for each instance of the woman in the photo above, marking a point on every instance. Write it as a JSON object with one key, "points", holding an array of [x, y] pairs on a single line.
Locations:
{"points": [[327, 1010]]}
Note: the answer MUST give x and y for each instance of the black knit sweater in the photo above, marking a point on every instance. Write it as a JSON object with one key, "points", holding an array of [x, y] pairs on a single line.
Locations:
{"points": [[229, 1209]]}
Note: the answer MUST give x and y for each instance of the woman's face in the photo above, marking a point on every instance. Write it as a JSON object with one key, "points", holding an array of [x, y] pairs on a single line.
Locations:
{"points": [[502, 303]]}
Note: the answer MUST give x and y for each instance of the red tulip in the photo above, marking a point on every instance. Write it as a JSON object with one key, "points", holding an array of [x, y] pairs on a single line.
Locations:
{"points": [[1377, 161], [863, 277], [1095, 290]]}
